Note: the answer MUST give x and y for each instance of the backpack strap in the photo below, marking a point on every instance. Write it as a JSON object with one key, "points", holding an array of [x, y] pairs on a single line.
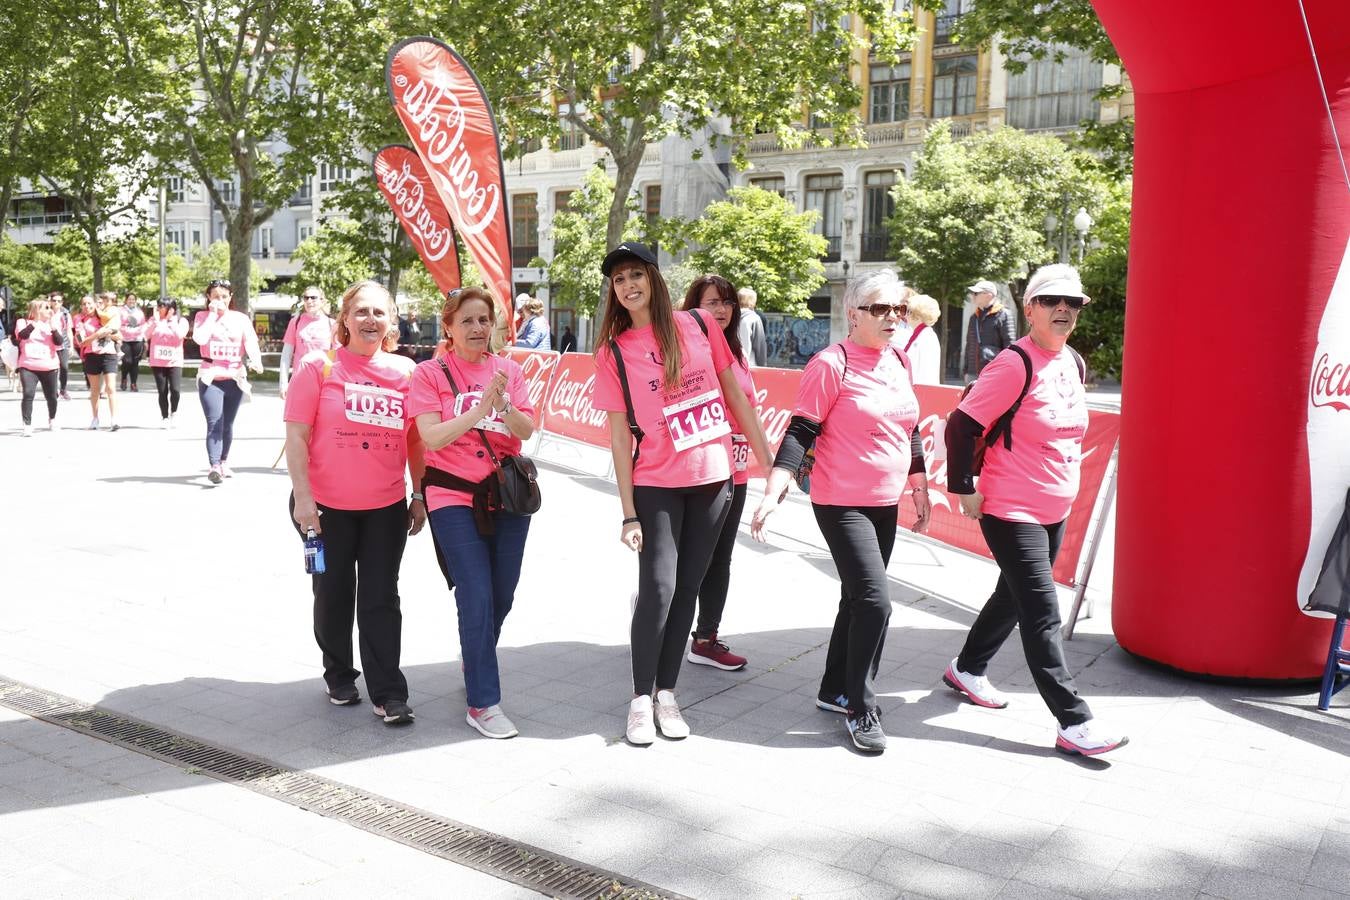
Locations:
{"points": [[699, 319], [328, 363], [1003, 425], [1082, 366], [633, 428]]}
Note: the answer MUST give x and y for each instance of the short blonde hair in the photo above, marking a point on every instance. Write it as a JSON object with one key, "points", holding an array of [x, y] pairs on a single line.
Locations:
{"points": [[349, 298], [534, 306], [924, 308], [747, 297]]}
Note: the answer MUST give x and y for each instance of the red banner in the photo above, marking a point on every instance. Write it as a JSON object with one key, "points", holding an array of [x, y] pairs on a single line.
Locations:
{"points": [[403, 181], [538, 367], [775, 394], [449, 121], [567, 410], [950, 527]]}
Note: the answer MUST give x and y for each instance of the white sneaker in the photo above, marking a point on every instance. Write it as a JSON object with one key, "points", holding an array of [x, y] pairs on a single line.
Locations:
{"points": [[52, 426], [977, 688], [170, 421], [491, 722], [668, 717], [641, 728], [229, 473], [93, 424], [164, 423], [28, 431], [1088, 739]]}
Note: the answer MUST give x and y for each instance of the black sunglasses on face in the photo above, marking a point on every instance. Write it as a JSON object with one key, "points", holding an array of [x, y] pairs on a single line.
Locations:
{"points": [[1050, 301], [881, 310], [311, 297], [218, 283]]}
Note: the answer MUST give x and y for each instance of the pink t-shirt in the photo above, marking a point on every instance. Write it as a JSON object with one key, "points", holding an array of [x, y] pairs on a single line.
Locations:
{"points": [[224, 344], [306, 333], [1037, 479], [358, 446], [740, 444], [86, 325], [867, 413], [133, 323], [37, 352], [687, 430], [165, 337], [466, 457]]}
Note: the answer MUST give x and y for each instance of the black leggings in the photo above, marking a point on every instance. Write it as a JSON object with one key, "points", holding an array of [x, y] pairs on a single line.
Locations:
{"points": [[168, 381], [63, 356], [363, 550], [1025, 596], [31, 380], [680, 527], [860, 539], [712, 597], [132, 351]]}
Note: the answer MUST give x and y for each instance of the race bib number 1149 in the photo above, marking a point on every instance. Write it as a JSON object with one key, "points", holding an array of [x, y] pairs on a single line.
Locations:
{"points": [[697, 420]]}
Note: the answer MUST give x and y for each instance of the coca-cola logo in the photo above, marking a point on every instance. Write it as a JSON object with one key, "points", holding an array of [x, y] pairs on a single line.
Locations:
{"points": [[1331, 383], [536, 369], [436, 118], [774, 419], [571, 400], [407, 194]]}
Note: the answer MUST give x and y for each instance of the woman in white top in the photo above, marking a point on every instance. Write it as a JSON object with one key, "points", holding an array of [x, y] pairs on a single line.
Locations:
{"points": [[228, 344], [922, 345]]}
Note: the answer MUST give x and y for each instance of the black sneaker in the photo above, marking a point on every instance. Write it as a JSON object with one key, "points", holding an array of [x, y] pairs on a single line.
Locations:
{"points": [[394, 712], [837, 703], [866, 731], [344, 695]]}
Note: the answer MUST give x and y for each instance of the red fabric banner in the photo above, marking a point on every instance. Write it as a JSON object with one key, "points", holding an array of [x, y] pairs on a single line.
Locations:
{"points": [[775, 394], [950, 527], [404, 182], [567, 410], [449, 121], [538, 367]]}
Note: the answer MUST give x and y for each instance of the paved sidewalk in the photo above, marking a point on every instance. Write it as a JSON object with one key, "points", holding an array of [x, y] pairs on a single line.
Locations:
{"points": [[187, 607]]}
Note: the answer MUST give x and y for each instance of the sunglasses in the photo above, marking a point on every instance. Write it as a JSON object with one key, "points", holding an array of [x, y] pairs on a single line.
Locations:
{"points": [[218, 283], [881, 310], [311, 297], [1050, 301]]}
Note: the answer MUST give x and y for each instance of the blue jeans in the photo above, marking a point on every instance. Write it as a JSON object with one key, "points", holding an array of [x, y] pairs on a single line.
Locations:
{"points": [[485, 569], [220, 403]]}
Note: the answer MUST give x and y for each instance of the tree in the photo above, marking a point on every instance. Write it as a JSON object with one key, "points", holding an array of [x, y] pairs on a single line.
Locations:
{"points": [[626, 74], [580, 242], [757, 239], [187, 282], [1100, 334], [327, 259], [25, 78], [32, 269]]}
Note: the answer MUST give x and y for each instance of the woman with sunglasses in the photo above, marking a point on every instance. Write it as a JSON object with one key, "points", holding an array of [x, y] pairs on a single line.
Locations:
{"points": [[716, 297], [675, 484], [312, 330], [39, 342], [164, 339], [856, 405], [96, 329], [1030, 406], [228, 344]]}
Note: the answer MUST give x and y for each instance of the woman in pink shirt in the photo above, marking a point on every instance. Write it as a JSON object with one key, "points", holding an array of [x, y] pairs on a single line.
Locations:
{"points": [[716, 297], [228, 344], [471, 406], [1030, 408], [97, 328], [675, 482], [164, 340], [134, 324], [856, 404], [39, 343], [348, 441], [312, 330]]}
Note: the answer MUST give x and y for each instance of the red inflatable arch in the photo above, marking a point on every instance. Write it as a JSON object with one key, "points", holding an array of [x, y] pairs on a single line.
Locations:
{"points": [[1235, 441]]}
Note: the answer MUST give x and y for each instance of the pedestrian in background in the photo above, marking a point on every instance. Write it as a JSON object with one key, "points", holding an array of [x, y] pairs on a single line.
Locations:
{"points": [[856, 407], [534, 331], [164, 339], [96, 329], [922, 345], [133, 341], [568, 342], [991, 330], [38, 343], [312, 330], [62, 322], [1026, 487], [229, 346], [751, 328]]}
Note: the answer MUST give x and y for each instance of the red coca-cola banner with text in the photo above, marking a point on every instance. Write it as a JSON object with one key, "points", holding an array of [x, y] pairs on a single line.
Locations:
{"points": [[567, 409], [950, 527], [450, 124], [775, 393], [538, 367], [404, 182]]}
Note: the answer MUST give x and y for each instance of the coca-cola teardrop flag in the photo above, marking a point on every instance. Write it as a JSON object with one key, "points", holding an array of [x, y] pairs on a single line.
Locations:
{"points": [[404, 183], [450, 124]]}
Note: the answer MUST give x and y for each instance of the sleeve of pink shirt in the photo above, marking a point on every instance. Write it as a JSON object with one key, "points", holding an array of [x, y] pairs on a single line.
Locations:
{"points": [[302, 397], [289, 337], [424, 395], [819, 388], [996, 390], [606, 394]]}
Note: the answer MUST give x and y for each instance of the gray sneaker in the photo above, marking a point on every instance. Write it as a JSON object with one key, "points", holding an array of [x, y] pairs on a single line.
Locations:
{"points": [[866, 731], [491, 722]]}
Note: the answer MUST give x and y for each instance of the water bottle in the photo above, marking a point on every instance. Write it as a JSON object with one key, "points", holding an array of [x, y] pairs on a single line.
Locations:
{"points": [[313, 553]]}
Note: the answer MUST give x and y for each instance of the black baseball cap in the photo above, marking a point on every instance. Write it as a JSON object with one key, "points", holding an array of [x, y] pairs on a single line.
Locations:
{"points": [[627, 250]]}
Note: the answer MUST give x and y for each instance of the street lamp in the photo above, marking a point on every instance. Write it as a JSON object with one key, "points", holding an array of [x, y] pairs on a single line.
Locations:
{"points": [[1082, 223]]}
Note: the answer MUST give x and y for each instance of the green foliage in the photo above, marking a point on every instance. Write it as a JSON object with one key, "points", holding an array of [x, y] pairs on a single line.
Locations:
{"points": [[579, 243], [757, 239], [32, 269], [1112, 143], [1100, 333], [1023, 29], [187, 282], [328, 259]]}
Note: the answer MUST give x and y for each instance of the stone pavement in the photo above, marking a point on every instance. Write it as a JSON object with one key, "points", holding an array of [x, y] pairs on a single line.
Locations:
{"points": [[131, 583]]}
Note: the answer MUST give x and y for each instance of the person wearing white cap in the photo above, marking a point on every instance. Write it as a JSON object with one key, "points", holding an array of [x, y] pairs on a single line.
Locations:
{"points": [[1031, 409], [991, 330]]}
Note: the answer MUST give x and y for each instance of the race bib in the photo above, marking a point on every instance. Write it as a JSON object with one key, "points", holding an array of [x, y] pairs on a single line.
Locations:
{"points": [[740, 452], [697, 420], [492, 422], [224, 351], [166, 353], [370, 405]]}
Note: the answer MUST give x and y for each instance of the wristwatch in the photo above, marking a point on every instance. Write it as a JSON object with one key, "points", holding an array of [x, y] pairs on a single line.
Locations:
{"points": [[417, 495], [508, 408]]}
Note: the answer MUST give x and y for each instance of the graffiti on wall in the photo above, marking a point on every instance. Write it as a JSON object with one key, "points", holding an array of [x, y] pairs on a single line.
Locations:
{"points": [[793, 341]]}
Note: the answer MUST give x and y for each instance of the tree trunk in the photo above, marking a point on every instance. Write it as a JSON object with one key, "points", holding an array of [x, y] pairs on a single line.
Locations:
{"points": [[240, 236], [626, 166]]}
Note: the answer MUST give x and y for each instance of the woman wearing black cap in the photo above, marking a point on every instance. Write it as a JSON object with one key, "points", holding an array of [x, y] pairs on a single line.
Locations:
{"points": [[666, 380]]}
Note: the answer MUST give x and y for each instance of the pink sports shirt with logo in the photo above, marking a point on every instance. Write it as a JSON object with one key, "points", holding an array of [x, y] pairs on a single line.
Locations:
{"points": [[165, 342], [306, 333], [37, 352]]}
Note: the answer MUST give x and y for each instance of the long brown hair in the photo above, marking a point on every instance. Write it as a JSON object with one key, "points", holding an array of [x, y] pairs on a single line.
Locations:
{"points": [[617, 321], [453, 301], [725, 291], [349, 296]]}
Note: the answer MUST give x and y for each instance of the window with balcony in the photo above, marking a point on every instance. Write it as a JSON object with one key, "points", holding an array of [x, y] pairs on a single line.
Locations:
{"points": [[945, 21], [572, 136], [878, 206], [524, 228], [330, 176], [226, 191], [266, 247], [890, 93], [303, 232], [954, 86], [1050, 94], [174, 190], [825, 194], [175, 237], [774, 183]]}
